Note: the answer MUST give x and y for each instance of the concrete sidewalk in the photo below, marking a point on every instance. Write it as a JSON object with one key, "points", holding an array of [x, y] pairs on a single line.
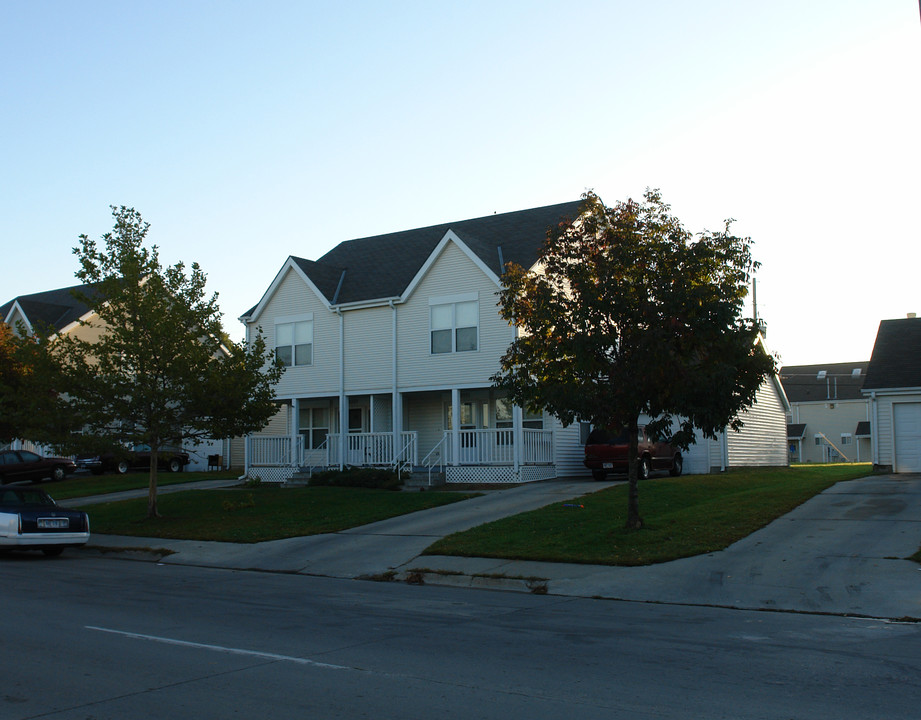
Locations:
{"points": [[842, 552]]}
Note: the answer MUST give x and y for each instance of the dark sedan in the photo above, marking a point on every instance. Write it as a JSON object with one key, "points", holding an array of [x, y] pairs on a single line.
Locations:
{"points": [[16, 465], [138, 459], [31, 520]]}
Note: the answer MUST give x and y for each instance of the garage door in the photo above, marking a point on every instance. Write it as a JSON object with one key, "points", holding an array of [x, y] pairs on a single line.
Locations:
{"points": [[907, 420]]}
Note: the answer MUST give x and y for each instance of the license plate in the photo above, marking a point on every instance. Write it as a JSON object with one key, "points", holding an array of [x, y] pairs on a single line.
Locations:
{"points": [[608, 466], [53, 523]]}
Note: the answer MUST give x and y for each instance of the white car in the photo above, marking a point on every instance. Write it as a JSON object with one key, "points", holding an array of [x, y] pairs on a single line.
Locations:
{"points": [[31, 520]]}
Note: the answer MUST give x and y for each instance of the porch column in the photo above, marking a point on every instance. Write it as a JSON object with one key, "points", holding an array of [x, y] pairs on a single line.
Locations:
{"points": [[295, 427], [343, 428], [518, 439], [455, 425], [396, 413]]}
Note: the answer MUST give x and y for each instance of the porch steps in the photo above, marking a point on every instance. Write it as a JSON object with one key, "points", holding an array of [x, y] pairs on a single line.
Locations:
{"points": [[419, 478]]}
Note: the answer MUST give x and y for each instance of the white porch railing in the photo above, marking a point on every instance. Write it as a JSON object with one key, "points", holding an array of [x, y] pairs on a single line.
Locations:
{"points": [[497, 447], [273, 450], [368, 449], [477, 447]]}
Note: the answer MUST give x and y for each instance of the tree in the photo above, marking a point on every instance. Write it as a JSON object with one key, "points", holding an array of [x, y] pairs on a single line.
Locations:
{"points": [[29, 406], [156, 370], [630, 314]]}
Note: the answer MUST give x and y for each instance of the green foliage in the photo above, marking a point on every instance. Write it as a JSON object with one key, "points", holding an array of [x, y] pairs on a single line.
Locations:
{"points": [[377, 478], [632, 315], [154, 367]]}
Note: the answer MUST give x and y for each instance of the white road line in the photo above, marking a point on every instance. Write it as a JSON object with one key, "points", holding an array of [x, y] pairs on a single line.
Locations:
{"points": [[220, 648]]}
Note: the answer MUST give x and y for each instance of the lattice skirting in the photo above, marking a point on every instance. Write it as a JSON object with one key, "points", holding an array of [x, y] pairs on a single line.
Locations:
{"points": [[498, 474], [270, 473]]}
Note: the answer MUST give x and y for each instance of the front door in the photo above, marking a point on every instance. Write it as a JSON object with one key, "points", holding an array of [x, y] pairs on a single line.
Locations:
{"points": [[356, 453]]}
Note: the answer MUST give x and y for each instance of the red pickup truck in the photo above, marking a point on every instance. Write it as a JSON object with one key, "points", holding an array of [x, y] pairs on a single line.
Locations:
{"points": [[606, 452]]}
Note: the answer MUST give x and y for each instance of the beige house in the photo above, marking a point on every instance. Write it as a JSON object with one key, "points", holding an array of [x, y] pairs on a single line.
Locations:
{"points": [[62, 312], [829, 418]]}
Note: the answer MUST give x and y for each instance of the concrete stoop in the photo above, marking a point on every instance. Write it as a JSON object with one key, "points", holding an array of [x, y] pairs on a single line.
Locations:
{"points": [[421, 479]]}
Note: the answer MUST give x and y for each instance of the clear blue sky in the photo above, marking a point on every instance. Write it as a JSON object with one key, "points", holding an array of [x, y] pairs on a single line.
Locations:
{"points": [[245, 132]]}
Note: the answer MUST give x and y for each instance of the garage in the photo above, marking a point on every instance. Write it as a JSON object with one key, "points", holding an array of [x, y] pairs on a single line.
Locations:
{"points": [[906, 419]]}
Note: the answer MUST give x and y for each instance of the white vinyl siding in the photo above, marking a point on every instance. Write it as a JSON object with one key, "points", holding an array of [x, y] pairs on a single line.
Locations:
{"points": [[368, 349], [763, 438]]}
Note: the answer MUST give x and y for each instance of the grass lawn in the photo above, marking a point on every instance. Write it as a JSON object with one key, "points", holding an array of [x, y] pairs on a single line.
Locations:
{"points": [[683, 517], [257, 514], [84, 485]]}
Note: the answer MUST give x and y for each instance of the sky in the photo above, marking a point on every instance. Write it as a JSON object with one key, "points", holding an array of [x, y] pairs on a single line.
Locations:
{"points": [[245, 132]]}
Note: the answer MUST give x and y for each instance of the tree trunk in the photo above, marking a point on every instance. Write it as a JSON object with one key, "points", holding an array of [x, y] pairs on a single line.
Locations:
{"points": [[152, 511], [634, 521]]}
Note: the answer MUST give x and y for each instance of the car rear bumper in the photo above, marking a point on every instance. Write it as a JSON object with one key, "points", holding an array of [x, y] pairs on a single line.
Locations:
{"points": [[25, 540]]}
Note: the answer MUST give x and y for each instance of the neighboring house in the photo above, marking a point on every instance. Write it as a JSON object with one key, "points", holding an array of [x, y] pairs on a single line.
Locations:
{"points": [[60, 311], [391, 342], [829, 418], [893, 389]]}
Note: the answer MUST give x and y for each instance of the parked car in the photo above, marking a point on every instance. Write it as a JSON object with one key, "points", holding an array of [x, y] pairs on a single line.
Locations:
{"points": [[121, 461], [16, 465], [606, 452], [31, 520]]}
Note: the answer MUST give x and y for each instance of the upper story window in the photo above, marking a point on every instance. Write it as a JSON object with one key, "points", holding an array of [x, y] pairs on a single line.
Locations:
{"points": [[294, 342], [455, 323]]}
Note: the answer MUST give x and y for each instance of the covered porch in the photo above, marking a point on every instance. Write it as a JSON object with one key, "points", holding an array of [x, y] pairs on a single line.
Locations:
{"points": [[455, 435]]}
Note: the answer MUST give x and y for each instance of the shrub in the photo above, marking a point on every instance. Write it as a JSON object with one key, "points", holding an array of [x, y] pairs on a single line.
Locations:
{"points": [[375, 478]]}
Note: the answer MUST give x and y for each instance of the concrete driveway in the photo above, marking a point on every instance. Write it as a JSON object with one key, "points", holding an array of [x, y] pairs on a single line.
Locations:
{"points": [[841, 552]]}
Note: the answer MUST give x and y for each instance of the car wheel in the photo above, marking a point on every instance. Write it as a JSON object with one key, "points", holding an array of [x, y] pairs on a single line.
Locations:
{"points": [[121, 467], [599, 475], [52, 550], [642, 471], [677, 466], [58, 474], [175, 465]]}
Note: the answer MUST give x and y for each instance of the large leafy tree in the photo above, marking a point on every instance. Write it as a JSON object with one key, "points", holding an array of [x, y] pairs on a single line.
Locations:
{"points": [[153, 366], [630, 314]]}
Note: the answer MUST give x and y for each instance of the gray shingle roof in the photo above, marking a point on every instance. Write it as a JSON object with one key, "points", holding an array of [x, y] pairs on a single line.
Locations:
{"points": [[53, 308], [383, 266], [802, 383], [796, 431], [896, 359]]}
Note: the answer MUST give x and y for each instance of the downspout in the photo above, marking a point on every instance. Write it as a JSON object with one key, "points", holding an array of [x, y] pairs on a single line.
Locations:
{"points": [[245, 474], [874, 429], [396, 414]]}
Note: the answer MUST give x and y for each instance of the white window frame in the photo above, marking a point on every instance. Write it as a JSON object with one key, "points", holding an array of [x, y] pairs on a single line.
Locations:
{"points": [[846, 439], [293, 321], [452, 302]]}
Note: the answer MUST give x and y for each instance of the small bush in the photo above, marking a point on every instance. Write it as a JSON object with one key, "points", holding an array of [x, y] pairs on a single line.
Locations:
{"points": [[374, 478]]}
